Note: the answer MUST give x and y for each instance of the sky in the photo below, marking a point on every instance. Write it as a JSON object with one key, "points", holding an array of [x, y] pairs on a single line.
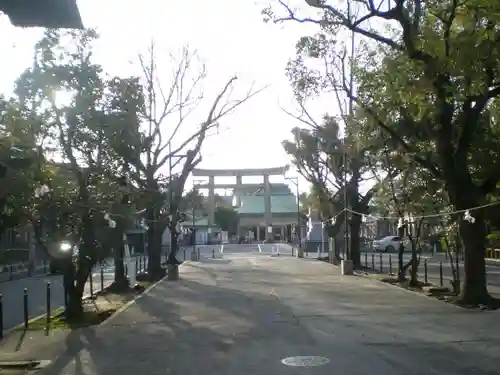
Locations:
{"points": [[229, 36]]}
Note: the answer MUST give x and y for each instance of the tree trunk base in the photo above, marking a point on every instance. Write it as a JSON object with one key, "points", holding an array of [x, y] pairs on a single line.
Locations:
{"points": [[157, 273], [474, 298], [172, 272], [119, 287]]}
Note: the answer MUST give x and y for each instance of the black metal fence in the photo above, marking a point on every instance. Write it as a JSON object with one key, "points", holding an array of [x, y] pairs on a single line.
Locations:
{"points": [[31, 305], [434, 271]]}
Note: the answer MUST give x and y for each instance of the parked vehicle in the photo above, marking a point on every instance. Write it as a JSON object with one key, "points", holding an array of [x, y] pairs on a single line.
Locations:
{"points": [[389, 244]]}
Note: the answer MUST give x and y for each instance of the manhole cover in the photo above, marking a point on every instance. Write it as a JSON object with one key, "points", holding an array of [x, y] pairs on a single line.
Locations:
{"points": [[305, 361]]}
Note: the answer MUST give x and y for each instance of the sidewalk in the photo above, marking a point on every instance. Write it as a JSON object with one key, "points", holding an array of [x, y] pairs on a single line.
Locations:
{"points": [[243, 316]]}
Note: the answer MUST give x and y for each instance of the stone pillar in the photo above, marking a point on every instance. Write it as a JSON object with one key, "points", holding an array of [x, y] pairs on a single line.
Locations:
{"points": [[238, 191], [267, 204], [211, 201]]}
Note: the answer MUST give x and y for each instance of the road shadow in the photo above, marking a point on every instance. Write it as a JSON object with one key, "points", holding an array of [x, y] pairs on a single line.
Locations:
{"points": [[188, 327]]}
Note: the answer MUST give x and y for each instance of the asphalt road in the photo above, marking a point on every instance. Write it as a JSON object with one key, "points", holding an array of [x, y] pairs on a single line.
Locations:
{"points": [[381, 262], [249, 315], [13, 292]]}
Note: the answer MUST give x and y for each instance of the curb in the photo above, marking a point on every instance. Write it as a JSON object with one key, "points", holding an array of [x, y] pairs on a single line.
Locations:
{"points": [[370, 277], [411, 291], [130, 303]]}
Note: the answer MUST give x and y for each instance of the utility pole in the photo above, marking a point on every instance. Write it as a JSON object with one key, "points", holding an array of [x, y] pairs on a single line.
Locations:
{"points": [[170, 195], [299, 236], [347, 255], [194, 230]]}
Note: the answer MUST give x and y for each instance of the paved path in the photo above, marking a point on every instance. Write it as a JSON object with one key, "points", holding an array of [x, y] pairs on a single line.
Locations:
{"points": [[13, 291], [244, 314]]}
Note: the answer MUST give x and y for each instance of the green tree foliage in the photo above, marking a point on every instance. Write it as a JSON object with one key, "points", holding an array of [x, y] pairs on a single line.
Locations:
{"points": [[434, 72], [149, 139], [67, 95], [226, 218]]}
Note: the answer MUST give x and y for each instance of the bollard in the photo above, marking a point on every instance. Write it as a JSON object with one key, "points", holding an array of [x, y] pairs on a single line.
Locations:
{"points": [[381, 266], [292, 251], [425, 271], [136, 266], [91, 282], [184, 254], [390, 264], [102, 278], [25, 308], [126, 270], [198, 254], [373, 261], [366, 260], [47, 312], [1, 317], [440, 273], [213, 253], [10, 273]]}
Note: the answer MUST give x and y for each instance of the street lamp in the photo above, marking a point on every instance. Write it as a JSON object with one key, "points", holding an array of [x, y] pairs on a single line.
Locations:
{"points": [[295, 181]]}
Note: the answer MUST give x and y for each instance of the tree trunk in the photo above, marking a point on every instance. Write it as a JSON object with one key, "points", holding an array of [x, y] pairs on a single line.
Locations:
{"points": [[155, 235], [355, 227], [414, 263], [172, 259], [473, 235], [120, 281]]}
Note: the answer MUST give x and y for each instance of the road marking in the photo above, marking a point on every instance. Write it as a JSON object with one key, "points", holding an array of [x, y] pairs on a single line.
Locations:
{"points": [[305, 361]]}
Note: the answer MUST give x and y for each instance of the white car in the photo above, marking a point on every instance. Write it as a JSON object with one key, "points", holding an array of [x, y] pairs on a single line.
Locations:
{"points": [[389, 244]]}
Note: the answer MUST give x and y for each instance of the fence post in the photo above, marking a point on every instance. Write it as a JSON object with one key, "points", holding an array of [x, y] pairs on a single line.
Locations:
{"points": [[373, 261], [184, 251], [47, 312], [25, 308], [366, 260], [390, 264], [381, 264], [91, 281], [1, 316], [102, 278], [425, 271], [441, 273]]}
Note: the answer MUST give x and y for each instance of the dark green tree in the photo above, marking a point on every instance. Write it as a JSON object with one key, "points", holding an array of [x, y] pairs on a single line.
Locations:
{"points": [[435, 71]]}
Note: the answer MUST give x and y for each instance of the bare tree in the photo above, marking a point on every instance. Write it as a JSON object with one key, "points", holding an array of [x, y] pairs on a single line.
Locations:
{"points": [[160, 141]]}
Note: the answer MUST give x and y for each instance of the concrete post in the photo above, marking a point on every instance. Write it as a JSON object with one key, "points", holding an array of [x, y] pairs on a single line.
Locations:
{"points": [[267, 204], [211, 201], [237, 190]]}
